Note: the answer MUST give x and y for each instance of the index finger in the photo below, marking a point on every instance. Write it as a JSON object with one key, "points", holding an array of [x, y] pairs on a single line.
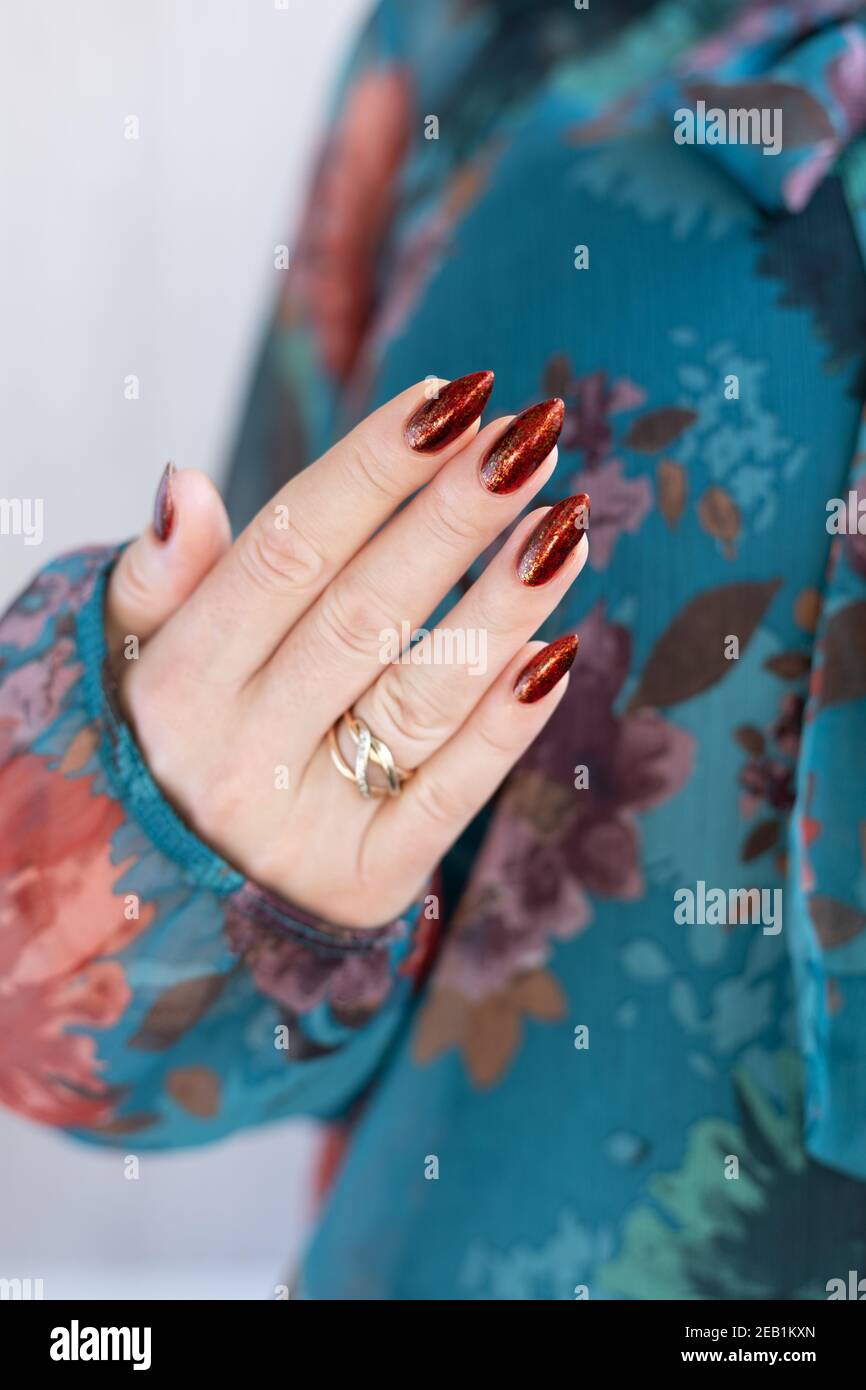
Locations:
{"points": [[312, 527]]}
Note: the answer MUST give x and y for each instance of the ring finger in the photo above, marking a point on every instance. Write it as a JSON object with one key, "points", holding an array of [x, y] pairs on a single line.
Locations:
{"points": [[421, 699]]}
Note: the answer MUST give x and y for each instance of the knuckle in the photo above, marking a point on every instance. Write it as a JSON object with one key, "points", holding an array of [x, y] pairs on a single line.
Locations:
{"points": [[414, 710], [493, 610], [131, 589], [367, 461], [440, 802], [492, 736], [350, 620], [221, 802], [280, 561], [447, 521]]}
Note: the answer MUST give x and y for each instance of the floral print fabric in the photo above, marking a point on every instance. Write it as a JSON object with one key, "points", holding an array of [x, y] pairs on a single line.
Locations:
{"points": [[581, 1064], [126, 941]]}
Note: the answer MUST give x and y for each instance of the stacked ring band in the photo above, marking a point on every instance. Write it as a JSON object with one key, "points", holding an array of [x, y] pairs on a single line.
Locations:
{"points": [[368, 749]]}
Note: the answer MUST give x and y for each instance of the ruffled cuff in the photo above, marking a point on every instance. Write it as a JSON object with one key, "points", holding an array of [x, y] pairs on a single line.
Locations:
{"points": [[150, 981], [254, 915]]}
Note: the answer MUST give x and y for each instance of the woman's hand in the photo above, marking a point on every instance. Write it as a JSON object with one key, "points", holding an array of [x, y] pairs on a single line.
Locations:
{"points": [[250, 652]]}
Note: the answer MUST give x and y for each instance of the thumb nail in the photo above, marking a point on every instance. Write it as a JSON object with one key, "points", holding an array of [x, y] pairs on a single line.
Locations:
{"points": [[163, 507]]}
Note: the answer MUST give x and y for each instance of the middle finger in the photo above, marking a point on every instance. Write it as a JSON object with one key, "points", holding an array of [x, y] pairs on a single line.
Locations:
{"points": [[417, 705], [337, 649]]}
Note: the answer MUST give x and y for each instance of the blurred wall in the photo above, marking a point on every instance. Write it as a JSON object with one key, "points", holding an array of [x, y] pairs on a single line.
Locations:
{"points": [[151, 257]]}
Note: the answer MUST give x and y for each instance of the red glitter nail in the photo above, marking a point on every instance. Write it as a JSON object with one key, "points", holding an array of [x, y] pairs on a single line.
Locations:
{"points": [[440, 420], [553, 540], [546, 669], [524, 445]]}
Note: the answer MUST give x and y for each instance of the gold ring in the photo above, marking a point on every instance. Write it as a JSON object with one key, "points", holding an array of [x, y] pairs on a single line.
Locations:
{"points": [[368, 749]]}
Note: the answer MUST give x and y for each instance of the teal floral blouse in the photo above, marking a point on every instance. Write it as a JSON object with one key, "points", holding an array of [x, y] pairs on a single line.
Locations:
{"points": [[551, 1079]]}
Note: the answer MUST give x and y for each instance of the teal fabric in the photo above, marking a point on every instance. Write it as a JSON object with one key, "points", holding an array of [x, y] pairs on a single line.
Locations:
{"points": [[132, 946], [557, 1088]]}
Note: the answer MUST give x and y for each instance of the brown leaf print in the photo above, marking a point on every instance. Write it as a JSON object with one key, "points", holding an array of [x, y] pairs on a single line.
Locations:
{"points": [[672, 489], [807, 609], [441, 1024], [558, 375], [80, 750], [843, 674], [690, 654], [546, 806], [835, 922], [176, 1011], [492, 1038], [539, 994], [804, 119], [658, 428], [129, 1124], [195, 1089], [719, 515], [833, 997], [487, 1031], [789, 666], [760, 838], [750, 738]]}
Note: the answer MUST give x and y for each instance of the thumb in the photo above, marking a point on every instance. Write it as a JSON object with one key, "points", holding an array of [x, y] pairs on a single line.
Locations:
{"points": [[158, 572]]}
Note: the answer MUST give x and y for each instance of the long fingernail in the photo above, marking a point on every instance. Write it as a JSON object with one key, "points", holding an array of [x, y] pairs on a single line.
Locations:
{"points": [[553, 540], [546, 669], [163, 506], [524, 445], [447, 415]]}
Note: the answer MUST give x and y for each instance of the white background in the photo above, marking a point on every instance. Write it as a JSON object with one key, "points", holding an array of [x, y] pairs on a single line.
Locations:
{"points": [[152, 257]]}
